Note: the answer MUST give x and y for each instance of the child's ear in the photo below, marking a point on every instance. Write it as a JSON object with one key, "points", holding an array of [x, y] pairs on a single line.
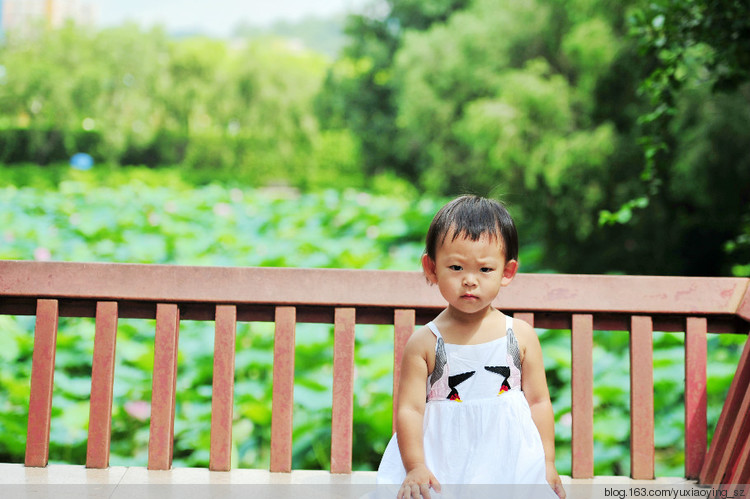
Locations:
{"points": [[429, 268], [509, 272]]}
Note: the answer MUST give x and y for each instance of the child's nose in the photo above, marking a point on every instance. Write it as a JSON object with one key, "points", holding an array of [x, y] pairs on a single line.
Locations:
{"points": [[470, 281]]}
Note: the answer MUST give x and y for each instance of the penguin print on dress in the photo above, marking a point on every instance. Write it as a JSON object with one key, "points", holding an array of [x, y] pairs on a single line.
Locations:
{"points": [[504, 372], [454, 381], [511, 373]]}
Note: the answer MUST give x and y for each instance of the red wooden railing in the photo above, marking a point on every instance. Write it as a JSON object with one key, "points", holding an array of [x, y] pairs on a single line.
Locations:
{"points": [[580, 303]]}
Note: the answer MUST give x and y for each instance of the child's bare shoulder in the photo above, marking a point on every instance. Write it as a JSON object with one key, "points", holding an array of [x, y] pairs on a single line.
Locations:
{"points": [[420, 349], [522, 328], [422, 340], [525, 333]]}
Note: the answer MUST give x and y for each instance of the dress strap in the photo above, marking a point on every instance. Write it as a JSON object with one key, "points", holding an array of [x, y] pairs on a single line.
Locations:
{"points": [[513, 355], [437, 383], [434, 329]]}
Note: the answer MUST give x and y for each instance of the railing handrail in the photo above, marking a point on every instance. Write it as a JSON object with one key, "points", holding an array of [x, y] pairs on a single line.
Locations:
{"points": [[26, 281]]}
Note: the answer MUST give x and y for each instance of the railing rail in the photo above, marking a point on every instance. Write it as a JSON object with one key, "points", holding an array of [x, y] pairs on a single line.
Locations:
{"points": [[344, 298]]}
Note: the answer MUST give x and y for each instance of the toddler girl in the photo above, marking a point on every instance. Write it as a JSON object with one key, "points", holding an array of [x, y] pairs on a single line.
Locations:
{"points": [[473, 402]]}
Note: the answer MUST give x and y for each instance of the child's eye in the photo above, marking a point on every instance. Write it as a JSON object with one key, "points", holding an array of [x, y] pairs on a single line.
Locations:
{"points": [[455, 267], [487, 269]]}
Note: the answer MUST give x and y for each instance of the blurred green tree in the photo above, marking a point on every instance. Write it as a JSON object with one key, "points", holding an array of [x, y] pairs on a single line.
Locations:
{"points": [[360, 87], [541, 103], [241, 110], [697, 89]]}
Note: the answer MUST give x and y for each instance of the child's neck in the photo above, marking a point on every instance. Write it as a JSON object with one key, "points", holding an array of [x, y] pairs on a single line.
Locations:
{"points": [[462, 327], [469, 319]]}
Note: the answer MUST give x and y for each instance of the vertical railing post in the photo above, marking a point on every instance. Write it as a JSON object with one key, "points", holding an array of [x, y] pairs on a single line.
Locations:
{"points": [[164, 387], [342, 411], [102, 382], [222, 394], [582, 386], [282, 404], [42, 383], [641, 398], [695, 395]]}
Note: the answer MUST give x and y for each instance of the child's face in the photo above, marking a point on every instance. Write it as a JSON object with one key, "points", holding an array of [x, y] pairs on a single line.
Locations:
{"points": [[470, 273]]}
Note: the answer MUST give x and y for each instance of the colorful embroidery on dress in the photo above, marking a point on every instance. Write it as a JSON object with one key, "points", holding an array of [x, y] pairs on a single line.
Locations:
{"points": [[441, 385], [514, 360], [454, 381], [503, 371], [438, 381]]}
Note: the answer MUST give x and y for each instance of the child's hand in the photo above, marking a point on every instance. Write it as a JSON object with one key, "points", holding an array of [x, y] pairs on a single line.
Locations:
{"points": [[418, 483], [553, 478]]}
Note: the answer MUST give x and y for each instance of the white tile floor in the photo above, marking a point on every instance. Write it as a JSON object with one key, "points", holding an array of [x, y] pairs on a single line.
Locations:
{"points": [[118, 482], [55, 474]]}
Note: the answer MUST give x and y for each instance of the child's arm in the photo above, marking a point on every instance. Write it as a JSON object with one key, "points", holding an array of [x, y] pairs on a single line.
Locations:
{"points": [[534, 386], [410, 417]]}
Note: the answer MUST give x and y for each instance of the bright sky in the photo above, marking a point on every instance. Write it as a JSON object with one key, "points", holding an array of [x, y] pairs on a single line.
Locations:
{"points": [[216, 16]]}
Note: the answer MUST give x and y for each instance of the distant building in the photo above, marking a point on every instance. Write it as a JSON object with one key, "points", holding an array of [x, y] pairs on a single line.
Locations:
{"points": [[22, 15]]}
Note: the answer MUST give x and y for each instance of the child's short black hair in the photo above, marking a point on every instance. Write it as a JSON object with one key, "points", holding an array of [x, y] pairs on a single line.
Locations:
{"points": [[473, 216]]}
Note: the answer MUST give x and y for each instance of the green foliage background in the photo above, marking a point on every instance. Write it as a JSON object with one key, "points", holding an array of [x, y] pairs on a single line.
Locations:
{"points": [[212, 225], [86, 220], [615, 128], [615, 131]]}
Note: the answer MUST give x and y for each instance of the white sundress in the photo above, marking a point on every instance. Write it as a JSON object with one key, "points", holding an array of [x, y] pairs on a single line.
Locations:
{"points": [[477, 423]]}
